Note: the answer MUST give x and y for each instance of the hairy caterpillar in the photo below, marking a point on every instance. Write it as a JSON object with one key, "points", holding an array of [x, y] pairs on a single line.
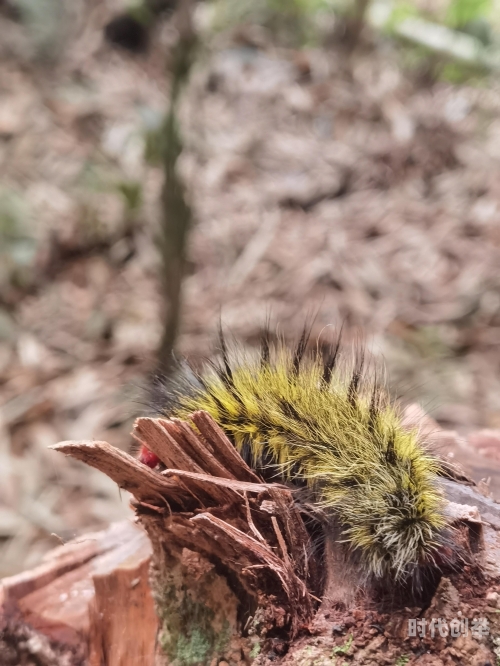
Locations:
{"points": [[309, 420]]}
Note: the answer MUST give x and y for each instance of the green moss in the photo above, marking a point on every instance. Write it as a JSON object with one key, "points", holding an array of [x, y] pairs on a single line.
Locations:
{"points": [[255, 651], [343, 649], [188, 635], [402, 661], [193, 649]]}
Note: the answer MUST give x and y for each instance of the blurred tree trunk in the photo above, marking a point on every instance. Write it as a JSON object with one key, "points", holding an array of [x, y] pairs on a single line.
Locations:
{"points": [[355, 23], [176, 212]]}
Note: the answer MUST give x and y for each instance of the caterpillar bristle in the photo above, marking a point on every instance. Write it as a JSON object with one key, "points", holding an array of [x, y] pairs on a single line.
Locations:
{"points": [[330, 428], [373, 411], [390, 451], [301, 348], [331, 359], [226, 373], [265, 346], [352, 391]]}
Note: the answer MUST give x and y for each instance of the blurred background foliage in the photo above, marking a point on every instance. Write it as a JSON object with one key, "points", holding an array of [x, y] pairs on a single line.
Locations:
{"points": [[338, 156]]}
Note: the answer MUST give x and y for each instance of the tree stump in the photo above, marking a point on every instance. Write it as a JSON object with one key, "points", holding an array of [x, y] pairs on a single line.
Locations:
{"points": [[233, 576], [80, 605]]}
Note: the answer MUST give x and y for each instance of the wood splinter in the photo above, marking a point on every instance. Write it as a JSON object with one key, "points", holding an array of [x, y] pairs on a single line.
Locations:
{"points": [[249, 564]]}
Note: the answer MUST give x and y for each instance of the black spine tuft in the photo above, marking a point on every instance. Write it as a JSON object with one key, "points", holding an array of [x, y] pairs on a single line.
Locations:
{"points": [[300, 349], [226, 373], [390, 453], [264, 346], [374, 407], [331, 359], [352, 391]]}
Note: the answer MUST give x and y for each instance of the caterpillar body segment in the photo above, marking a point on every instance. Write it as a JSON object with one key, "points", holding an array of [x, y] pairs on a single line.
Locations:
{"points": [[306, 420]]}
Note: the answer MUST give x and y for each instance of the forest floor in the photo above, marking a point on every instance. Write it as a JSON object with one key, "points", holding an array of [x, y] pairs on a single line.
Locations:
{"points": [[343, 186]]}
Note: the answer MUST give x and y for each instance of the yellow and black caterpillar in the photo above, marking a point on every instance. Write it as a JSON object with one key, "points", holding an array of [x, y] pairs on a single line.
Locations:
{"points": [[311, 421]]}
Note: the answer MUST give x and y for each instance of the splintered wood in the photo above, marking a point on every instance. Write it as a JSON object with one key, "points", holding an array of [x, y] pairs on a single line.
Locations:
{"points": [[207, 500], [232, 570]]}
